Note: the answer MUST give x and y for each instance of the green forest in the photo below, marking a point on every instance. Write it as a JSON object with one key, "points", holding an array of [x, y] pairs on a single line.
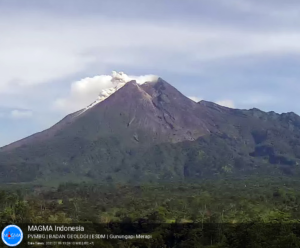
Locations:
{"points": [[229, 212]]}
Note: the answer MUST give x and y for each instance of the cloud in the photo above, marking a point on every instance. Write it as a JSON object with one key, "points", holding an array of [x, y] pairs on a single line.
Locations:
{"points": [[267, 8], [226, 103], [230, 47], [259, 99], [21, 114], [52, 51], [195, 98], [87, 90]]}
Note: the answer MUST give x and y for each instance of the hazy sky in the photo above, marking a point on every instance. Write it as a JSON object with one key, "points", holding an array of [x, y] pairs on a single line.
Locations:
{"points": [[243, 53]]}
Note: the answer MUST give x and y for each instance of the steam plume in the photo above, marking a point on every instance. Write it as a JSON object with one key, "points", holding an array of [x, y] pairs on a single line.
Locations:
{"points": [[99, 87]]}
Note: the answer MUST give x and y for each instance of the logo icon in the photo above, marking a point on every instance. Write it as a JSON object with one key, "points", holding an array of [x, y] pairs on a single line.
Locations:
{"points": [[12, 235]]}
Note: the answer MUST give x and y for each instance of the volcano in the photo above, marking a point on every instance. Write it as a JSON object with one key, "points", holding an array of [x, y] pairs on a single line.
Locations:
{"points": [[140, 132]]}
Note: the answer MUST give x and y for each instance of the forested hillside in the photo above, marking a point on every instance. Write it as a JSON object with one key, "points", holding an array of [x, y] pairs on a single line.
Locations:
{"points": [[253, 212]]}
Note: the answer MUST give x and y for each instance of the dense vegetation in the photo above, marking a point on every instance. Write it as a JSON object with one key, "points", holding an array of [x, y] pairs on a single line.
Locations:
{"points": [[249, 212], [215, 155]]}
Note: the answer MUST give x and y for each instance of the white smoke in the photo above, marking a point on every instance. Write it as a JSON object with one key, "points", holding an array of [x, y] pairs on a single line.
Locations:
{"points": [[88, 89]]}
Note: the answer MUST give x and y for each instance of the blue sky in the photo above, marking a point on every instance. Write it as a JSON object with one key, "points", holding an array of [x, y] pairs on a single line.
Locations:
{"points": [[242, 53]]}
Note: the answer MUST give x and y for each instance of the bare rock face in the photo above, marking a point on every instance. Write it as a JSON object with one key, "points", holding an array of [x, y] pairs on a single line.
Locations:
{"points": [[180, 116], [155, 109]]}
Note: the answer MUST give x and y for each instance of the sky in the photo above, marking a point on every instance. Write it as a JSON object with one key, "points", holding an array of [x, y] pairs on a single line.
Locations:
{"points": [[238, 53]]}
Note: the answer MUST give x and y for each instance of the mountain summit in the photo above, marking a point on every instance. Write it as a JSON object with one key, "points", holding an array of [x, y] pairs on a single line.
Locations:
{"points": [[153, 109], [150, 131]]}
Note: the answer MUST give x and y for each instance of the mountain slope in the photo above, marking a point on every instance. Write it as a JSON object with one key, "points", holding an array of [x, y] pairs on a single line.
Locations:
{"points": [[133, 109], [153, 132]]}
